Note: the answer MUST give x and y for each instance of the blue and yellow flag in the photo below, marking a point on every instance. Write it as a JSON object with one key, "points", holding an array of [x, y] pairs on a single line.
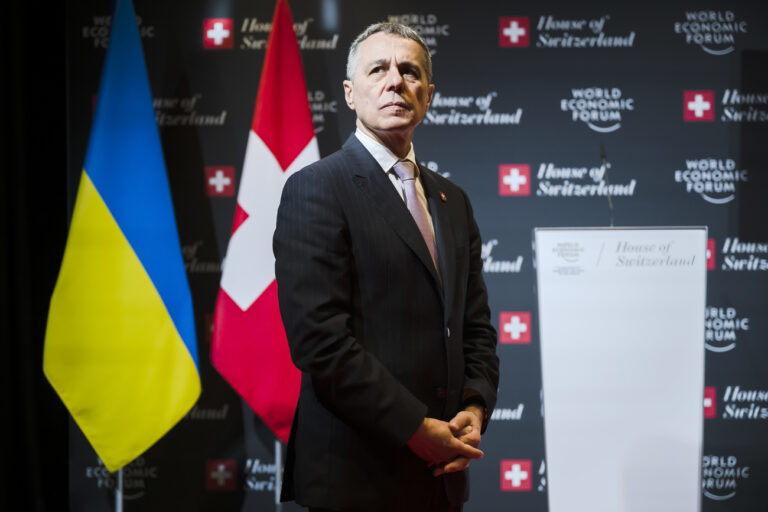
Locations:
{"points": [[120, 346]]}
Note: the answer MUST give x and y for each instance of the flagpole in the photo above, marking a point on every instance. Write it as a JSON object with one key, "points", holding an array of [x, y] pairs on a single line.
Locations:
{"points": [[119, 491], [278, 474]]}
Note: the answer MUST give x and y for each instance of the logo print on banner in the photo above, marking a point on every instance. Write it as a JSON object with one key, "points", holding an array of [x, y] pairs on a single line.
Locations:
{"points": [[739, 106], [516, 475], [745, 404], [558, 181], [255, 33], [219, 180], [720, 328], [738, 255], [508, 414], [710, 254], [515, 327], [218, 33], [137, 477], [713, 179], [721, 474], [514, 180], [579, 33], [698, 106], [468, 111], [320, 105], [713, 31], [491, 265], [102, 27], [710, 402], [259, 477], [599, 108], [221, 475], [426, 25], [514, 32]]}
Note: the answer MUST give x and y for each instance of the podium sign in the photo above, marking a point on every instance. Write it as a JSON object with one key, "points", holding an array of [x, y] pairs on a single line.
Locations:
{"points": [[621, 315]]}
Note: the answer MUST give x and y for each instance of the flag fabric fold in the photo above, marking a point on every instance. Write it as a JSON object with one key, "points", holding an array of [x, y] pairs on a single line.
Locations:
{"points": [[249, 346], [120, 344]]}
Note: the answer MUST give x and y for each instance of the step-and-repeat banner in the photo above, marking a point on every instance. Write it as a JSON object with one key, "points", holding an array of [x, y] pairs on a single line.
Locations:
{"points": [[542, 110]]}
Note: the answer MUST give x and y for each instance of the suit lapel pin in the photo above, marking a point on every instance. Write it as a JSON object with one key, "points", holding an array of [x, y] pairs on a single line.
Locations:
{"points": [[442, 196]]}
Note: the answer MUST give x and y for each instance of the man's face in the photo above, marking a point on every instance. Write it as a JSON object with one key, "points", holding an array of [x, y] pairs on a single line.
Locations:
{"points": [[389, 90]]}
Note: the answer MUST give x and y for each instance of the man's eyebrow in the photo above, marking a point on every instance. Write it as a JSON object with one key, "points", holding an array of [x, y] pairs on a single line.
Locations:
{"points": [[378, 62]]}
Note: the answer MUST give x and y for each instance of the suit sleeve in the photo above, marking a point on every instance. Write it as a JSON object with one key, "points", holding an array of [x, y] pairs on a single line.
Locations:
{"points": [[315, 272], [481, 364]]}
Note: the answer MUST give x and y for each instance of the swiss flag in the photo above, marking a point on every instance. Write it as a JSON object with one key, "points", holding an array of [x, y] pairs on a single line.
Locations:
{"points": [[249, 346]]}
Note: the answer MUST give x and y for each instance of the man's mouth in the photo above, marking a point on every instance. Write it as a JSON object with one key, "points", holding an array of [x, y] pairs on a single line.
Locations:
{"points": [[397, 104]]}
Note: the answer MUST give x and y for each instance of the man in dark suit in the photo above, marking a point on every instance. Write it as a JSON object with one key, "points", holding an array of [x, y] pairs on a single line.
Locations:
{"points": [[385, 309]]}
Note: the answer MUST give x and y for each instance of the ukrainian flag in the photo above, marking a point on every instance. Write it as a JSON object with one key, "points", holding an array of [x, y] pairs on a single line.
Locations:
{"points": [[120, 346]]}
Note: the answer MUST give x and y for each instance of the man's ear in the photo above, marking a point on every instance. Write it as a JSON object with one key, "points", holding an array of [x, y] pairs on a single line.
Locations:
{"points": [[348, 94], [430, 90]]}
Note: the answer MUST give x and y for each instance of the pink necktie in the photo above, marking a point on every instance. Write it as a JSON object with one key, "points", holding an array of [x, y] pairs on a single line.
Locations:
{"points": [[404, 170]]}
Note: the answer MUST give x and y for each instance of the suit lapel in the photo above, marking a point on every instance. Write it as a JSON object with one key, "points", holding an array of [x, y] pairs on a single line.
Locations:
{"points": [[374, 182], [438, 209]]}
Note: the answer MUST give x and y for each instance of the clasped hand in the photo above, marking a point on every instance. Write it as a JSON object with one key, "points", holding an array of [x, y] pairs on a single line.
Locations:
{"points": [[449, 446]]}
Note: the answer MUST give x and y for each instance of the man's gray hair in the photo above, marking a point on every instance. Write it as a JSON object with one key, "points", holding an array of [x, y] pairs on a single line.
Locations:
{"points": [[387, 28]]}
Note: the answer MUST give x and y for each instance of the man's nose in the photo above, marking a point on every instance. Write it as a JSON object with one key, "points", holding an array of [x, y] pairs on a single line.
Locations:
{"points": [[394, 79]]}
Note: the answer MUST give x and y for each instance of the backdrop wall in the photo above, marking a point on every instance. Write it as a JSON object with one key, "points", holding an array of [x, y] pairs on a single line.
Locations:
{"points": [[531, 99]]}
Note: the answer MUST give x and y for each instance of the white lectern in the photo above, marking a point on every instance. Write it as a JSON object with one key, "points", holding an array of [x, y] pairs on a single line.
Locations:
{"points": [[621, 316]]}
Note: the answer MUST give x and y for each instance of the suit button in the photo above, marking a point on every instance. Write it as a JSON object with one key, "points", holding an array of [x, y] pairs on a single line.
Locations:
{"points": [[440, 392], [448, 332]]}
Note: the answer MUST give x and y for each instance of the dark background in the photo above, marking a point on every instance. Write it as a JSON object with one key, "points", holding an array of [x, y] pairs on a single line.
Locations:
{"points": [[50, 77]]}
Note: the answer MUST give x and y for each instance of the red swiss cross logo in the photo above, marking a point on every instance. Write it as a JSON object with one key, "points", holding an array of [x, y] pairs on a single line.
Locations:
{"points": [[698, 106], [221, 475], [515, 327], [218, 33], [516, 475], [710, 402], [710, 254], [219, 180], [514, 180], [514, 32]]}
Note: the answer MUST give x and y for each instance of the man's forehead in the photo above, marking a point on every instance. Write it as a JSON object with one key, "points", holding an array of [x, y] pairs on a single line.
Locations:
{"points": [[380, 46]]}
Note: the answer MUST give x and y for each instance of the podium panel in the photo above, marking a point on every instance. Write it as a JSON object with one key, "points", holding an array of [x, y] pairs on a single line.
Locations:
{"points": [[622, 328]]}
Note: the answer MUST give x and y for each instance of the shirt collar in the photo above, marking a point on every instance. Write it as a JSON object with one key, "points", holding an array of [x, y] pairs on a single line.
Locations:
{"points": [[385, 158]]}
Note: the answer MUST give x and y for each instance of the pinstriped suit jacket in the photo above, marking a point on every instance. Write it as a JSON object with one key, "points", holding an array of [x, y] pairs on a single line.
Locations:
{"points": [[380, 343]]}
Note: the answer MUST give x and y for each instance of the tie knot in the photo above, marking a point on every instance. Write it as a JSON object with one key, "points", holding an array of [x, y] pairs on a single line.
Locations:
{"points": [[405, 170]]}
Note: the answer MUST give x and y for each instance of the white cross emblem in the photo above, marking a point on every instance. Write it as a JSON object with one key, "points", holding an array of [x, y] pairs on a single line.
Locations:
{"points": [[219, 181], [515, 327], [516, 475], [698, 105], [514, 31], [218, 33], [707, 402], [221, 475], [514, 179]]}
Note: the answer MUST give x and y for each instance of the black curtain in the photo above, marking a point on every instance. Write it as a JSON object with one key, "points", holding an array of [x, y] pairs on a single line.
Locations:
{"points": [[33, 226]]}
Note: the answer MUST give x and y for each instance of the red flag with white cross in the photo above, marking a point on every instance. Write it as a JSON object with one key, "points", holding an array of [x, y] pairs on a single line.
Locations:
{"points": [[249, 347]]}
